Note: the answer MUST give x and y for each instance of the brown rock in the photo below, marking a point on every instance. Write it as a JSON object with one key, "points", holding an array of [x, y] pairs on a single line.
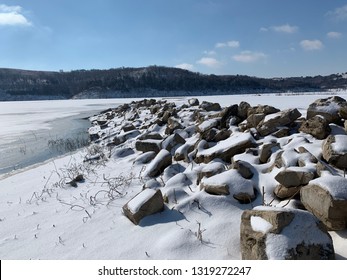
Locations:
{"points": [[145, 203], [266, 230], [317, 126]]}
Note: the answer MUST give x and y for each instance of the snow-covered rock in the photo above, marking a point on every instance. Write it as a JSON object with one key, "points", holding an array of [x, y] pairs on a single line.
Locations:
{"points": [[326, 198], [162, 160], [145, 203], [270, 233], [226, 149], [334, 150]]}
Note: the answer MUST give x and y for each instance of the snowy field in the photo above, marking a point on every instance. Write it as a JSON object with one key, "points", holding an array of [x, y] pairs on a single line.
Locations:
{"points": [[42, 218]]}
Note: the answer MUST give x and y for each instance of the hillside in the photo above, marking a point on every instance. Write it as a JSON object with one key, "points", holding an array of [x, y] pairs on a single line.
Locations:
{"points": [[147, 82]]}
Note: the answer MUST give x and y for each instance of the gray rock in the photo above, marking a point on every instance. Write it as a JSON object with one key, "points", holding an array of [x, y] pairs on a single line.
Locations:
{"points": [[317, 126], [266, 232], [145, 203], [262, 109]]}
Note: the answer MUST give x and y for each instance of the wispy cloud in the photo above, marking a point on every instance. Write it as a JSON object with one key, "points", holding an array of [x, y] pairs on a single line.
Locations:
{"points": [[209, 62], [12, 16], [285, 28], [334, 35], [249, 56], [230, 44], [311, 45], [338, 14], [185, 66], [210, 52]]}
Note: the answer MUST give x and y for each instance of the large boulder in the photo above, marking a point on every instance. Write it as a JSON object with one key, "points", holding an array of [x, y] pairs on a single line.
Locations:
{"points": [[328, 108], [317, 126], [272, 122], [326, 198], [334, 150], [162, 160], [145, 203], [237, 143], [270, 233]]}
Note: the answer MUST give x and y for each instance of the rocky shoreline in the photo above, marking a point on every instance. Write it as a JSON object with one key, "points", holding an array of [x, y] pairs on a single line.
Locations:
{"points": [[289, 168]]}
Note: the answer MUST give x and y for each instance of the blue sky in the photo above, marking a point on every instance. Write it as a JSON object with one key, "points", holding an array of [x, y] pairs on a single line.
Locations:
{"points": [[264, 38]]}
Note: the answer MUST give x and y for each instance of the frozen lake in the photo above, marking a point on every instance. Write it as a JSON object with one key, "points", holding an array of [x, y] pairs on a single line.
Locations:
{"points": [[27, 127]]}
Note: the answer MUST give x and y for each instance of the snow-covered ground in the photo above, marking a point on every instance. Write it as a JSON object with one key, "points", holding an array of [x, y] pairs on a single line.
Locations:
{"points": [[43, 218]]}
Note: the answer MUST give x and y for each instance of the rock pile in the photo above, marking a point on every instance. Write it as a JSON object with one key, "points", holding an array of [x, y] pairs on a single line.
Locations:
{"points": [[238, 152]]}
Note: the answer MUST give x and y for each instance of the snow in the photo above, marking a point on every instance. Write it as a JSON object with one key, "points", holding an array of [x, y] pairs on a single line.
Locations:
{"points": [[135, 204], [260, 224], [42, 218]]}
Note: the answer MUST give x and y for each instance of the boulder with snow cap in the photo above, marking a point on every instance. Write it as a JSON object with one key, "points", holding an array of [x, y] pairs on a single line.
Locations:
{"points": [[334, 150], [210, 169], [145, 203], [193, 102], [328, 108], [270, 233], [326, 198], [229, 182], [271, 122], [172, 141], [162, 160], [237, 143]]}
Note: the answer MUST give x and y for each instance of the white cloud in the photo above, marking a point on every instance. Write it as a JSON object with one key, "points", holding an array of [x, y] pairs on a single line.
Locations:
{"points": [[264, 29], [248, 56], [185, 66], [231, 44], [12, 15], [311, 45], [209, 62], [338, 14], [334, 35], [210, 52], [286, 28]]}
